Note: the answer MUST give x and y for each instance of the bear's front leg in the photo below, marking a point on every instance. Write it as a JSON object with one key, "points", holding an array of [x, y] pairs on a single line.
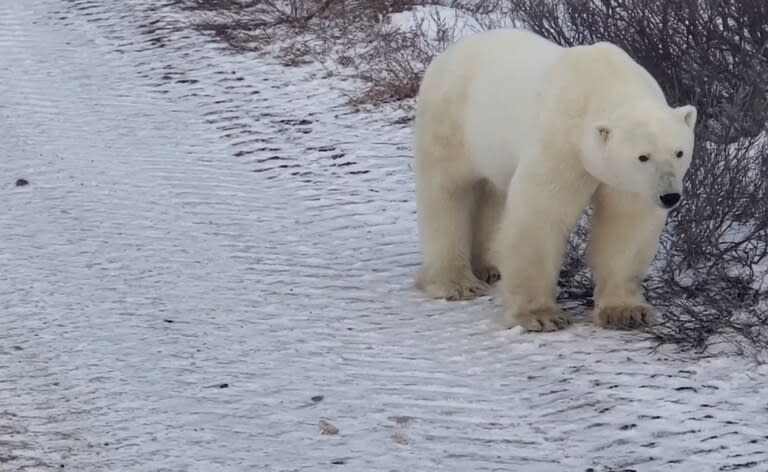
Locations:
{"points": [[541, 209], [624, 239]]}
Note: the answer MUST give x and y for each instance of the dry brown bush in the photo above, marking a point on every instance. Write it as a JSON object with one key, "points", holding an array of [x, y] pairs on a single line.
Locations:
{"points": [[352, 38]]}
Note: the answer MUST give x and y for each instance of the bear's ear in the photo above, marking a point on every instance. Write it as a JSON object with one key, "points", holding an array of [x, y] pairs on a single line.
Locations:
{"points": [[603, 132], [688, 113]]}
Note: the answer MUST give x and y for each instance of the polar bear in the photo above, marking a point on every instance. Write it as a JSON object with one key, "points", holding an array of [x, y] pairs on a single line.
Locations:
{"points": [[514, 137]]}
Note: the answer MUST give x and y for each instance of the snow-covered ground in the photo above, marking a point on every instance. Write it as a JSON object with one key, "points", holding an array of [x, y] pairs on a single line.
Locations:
{"points": [[433, 19], [213, 255]]}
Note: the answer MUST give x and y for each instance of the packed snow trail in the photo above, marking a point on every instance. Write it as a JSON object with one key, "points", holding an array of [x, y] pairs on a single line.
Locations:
{"points": [[213, 255]]}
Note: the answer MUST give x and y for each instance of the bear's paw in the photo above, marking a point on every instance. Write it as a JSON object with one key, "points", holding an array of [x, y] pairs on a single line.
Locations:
{"points": [[463, 288], [543, 319], [625, 317], [488, 274]]}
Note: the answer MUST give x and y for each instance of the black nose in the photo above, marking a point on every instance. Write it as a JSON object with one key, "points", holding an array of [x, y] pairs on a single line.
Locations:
{"points": [[670, 199]]}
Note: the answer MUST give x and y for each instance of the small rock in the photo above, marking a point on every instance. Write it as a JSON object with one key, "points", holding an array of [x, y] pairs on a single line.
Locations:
{"points": [[317, 398], [168, 320], [218, 385], [327, 428], [338, 462], [22, 182], [401, 420]]}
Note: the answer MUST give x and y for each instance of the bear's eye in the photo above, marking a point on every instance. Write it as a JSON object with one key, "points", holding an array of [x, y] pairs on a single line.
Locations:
{"points": [[643, 158], [679, 154]]}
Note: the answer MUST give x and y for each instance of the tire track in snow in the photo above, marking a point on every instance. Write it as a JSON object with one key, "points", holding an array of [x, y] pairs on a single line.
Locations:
{"points": [[183, 182]]}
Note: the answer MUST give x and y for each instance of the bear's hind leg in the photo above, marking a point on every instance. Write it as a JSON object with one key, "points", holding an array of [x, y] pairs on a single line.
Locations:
{"points": [[445, 200], [625, 235], [489, 205], [445, 215]]}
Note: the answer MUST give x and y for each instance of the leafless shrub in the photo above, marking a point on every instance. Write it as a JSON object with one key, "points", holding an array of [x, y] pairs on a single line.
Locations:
{"points": [[256, 24], [353, 38]]}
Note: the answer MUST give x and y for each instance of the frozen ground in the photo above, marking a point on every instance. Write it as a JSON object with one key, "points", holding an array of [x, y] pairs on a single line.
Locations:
{"points": [[213, 255]]}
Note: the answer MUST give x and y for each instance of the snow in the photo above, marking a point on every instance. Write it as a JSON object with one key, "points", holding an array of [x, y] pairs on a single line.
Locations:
{"points": [[212, 262], [435, 21]]}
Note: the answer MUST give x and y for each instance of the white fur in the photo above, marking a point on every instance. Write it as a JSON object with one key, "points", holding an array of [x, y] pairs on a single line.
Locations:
{"points": [[514, 137]]}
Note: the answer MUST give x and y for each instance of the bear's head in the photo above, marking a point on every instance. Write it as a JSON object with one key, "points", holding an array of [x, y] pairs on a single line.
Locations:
{"points": [[644, 149]]}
